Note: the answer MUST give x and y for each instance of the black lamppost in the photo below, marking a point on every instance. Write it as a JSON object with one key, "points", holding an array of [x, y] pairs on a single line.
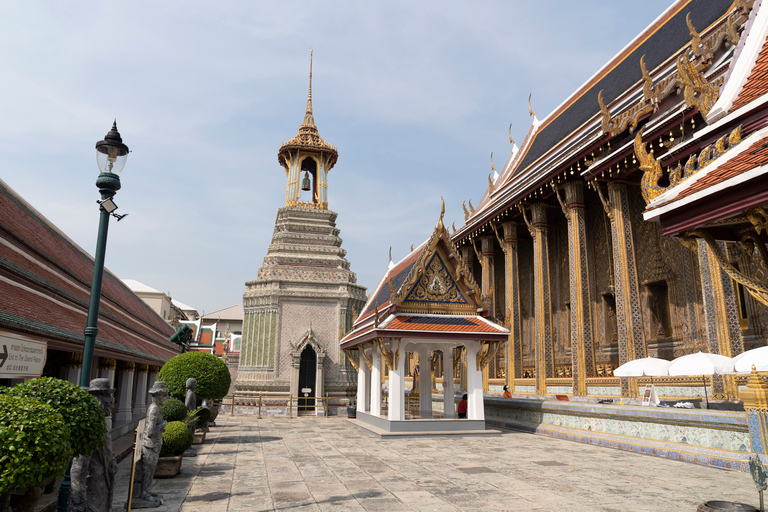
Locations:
{"points": [[111, 155]]}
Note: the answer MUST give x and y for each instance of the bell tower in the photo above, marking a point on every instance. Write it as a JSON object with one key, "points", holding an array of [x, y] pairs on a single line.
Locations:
{"points": [[305, 296], [307, 158]]}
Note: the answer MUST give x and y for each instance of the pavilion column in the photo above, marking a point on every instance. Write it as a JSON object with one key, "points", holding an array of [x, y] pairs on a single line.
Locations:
{"points": [[73, 364], [629, 319], [449, 405], [140, 404], [512, 307], [582, 355], [320, 382], [363, 382], [124, 412], [425, 382], [543, 307], [376, 373], [721, 322], [475, 407], [396, 381]]}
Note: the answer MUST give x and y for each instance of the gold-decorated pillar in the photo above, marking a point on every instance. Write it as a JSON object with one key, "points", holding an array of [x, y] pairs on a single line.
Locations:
{"points": [[514, 355], [582, 355], [721, 322], [486, 261], [755, 398], [628, 315], [542, 305]]}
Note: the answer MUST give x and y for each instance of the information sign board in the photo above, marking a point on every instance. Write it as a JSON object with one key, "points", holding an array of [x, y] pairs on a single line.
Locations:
{"points": [[21, 357]]}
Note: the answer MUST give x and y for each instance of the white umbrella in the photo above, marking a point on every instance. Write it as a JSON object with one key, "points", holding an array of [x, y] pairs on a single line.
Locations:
{"points": [[700, 363], [743, 362], [650, 366]]}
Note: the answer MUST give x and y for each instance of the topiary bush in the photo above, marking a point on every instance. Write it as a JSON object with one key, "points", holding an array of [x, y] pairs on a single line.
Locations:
{"points": [[35, 443], [80, 410], [173, 410], [176, 439], [203, 417], [211, 373]]}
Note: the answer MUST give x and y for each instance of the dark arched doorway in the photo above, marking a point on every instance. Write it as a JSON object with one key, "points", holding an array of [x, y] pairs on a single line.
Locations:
{"points": [[307, 377]]}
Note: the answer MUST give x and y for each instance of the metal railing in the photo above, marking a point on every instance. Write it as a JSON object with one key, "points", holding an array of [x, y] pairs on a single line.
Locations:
{"points": [[261, 401]]}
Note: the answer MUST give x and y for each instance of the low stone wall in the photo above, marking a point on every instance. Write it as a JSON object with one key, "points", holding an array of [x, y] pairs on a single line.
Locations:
{"points": [[712, 438]]}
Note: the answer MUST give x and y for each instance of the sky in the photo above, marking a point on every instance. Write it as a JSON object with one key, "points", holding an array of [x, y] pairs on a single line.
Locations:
{"points": [[415, 96]]}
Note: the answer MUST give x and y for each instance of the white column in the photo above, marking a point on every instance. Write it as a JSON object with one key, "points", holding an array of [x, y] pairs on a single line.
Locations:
{"points": [[72, 367], [449, 404], [319, 384], [363, 381], [152, 376], [376, 383], [397, 385], [140, 407], [124, 412], [107, 370], [425, 382], [475, 409]]}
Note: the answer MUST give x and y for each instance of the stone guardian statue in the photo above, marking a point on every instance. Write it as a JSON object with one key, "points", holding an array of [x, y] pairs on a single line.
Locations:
{"points": [[93, 476], [190, 401], [151, 443]]}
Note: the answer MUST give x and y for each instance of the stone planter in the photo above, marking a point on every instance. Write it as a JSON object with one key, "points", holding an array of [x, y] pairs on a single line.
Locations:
{"points": [[168, 467], [199, 438], [214, 412]]}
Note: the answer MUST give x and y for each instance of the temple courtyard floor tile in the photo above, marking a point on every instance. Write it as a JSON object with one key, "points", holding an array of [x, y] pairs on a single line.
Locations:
{"points": [[328, 464]]}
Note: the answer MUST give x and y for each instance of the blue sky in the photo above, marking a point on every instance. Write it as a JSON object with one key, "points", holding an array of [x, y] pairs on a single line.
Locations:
{"points": [[415, 96]]}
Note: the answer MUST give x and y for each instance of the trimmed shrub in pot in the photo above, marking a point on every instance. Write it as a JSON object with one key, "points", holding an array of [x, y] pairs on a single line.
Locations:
{"points": [[211, 373], [203, 417], [173, 410], [176, 439], [35, 447], [80, 410]]}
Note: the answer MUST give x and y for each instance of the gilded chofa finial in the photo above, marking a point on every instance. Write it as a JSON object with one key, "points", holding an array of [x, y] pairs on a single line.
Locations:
{"points": [[511, 140], [530, 110], [440, 225]]}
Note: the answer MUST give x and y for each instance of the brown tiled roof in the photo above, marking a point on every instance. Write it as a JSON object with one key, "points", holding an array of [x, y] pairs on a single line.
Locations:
{"points": [[45, 288], [396, 276], [754, 156], [757, 82], [443, 323]]}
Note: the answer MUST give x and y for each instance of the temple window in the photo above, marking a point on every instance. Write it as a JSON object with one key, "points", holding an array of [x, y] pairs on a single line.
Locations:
{"points": [[609, 315]]}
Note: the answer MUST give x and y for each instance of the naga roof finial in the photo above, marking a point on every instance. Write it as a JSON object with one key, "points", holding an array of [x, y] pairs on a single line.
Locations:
{"points": [[440, 225], [530, 110]]}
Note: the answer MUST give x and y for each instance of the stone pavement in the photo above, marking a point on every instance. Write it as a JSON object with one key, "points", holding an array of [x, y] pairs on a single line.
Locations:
{"points": [[327, 464]]}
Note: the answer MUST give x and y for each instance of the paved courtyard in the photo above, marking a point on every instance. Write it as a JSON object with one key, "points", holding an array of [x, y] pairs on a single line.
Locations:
{"points": [[319, 464]]}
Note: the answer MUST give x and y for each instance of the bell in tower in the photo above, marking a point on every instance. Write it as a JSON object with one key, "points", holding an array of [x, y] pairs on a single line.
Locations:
{"points": [[307, 152]]}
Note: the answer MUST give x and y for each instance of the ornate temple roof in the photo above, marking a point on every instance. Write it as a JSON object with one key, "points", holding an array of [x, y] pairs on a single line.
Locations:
{"points": [[308, 138]]}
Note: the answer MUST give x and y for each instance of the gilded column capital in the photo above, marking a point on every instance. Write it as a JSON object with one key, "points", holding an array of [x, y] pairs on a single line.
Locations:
{"points": [[539, 215], [574, 194], [142, 368], [486, 244], [73, 360], [510, 232], [107, 364], [154, 369], [127, 366]]}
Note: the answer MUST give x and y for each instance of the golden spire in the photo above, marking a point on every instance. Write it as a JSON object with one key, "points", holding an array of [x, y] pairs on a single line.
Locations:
{"points": [[309, 120]]}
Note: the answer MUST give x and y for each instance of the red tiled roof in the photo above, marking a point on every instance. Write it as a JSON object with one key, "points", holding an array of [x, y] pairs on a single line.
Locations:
{"points": [[754, 156], [443, 323], [757, 82], [205, 338], [45, 291]]}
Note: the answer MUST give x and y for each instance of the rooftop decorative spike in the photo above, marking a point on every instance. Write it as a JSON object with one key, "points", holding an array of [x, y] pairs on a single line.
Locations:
{"points": [[309, 120]]}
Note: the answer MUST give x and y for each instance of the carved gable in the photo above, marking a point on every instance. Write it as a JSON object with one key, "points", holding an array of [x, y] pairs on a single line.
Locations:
{"points": [[436, 285]]}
